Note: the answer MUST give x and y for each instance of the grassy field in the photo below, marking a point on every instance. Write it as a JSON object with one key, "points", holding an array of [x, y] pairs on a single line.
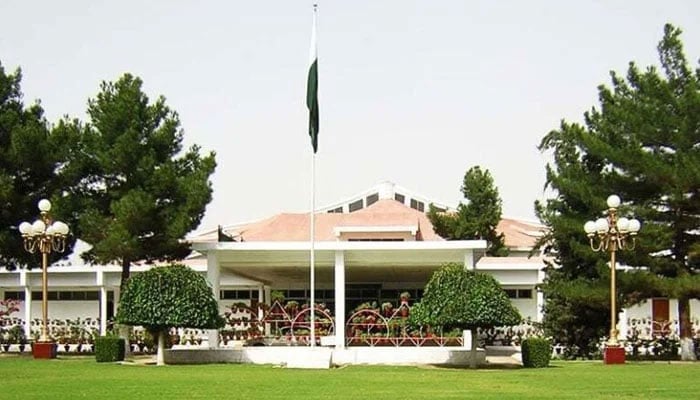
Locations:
{"points": [[68, 378]]}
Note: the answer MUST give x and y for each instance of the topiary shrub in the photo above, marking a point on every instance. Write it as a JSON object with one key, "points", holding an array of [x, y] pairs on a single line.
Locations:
{"points": [[172, 296], [109, 349], [536, 352], [455, 298]]}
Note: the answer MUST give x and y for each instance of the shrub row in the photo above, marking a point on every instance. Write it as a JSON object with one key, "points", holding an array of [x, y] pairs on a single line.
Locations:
{"points": [[109, 348], [536, 352]]}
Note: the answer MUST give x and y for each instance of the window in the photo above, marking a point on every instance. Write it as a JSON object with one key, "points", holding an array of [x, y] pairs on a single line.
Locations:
{"points": [[296, 294], [417, 205], [519, 293], [400, 198], [14, 295], [69, 295], [245, 294], [371, 199], [355, 205], [338, 210]]}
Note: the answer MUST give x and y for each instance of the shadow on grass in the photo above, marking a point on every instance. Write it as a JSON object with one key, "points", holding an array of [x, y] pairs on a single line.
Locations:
{"points": [[488, 367], [482, 367]]}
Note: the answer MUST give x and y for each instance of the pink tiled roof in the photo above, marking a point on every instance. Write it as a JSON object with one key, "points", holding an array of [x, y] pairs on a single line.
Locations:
{"points": [[383, 213], [520, 234], [295, 227]]}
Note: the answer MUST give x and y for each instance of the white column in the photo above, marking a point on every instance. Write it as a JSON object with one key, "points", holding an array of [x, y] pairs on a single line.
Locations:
{"points": [[268, 295], [622, 326], [261, 299], [539, 297], [27, 312], [24, 281], [213, 275], [339, 299], [469, 260], [100, 280], [103, 310], [268, 301], [117, 296]]}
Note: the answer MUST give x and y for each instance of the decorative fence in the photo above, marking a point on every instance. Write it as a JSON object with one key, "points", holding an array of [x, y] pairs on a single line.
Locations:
{"points": [[648, 339], [289, 324]]}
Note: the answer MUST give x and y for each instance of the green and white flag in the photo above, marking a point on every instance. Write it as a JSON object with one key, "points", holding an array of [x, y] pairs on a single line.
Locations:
{"points": [[312, 89]]}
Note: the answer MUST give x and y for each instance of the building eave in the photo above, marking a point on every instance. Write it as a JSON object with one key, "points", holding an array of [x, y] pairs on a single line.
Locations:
{"points": [[205, 247]]}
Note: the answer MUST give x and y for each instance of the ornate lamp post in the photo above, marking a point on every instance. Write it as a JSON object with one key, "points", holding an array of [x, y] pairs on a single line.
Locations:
{"points": [[612, 234], [45, 236]]}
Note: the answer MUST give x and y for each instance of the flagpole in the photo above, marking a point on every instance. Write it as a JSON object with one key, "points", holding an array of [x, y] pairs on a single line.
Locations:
{"points": [[312, 255]]}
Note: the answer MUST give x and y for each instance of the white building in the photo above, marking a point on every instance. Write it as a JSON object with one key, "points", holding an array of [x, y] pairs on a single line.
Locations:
{"points": [[370, 247]]}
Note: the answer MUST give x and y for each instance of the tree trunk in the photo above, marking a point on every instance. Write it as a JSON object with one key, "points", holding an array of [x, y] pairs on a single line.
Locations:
{"points": [[160, 357], [685, 330], [125, 330], [472, 353], [126, 272], [124, 333]]}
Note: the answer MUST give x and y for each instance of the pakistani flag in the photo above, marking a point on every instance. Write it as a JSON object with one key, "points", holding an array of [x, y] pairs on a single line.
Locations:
{"points": [[312, 89]]}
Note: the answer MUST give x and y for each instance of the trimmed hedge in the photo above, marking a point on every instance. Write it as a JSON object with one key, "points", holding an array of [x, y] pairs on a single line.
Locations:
{"points": [[109, 349], [536, 352]]}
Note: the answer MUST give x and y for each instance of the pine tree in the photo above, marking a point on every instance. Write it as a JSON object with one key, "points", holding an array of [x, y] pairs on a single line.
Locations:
{"points": [[30, 160], [139, 194], [478, 218], [642, 143]]}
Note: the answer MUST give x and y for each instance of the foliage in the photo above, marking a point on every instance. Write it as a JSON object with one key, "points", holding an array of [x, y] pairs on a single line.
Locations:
{"points": [[536, 352], [17, 335], [166, 297], [508, 335], [8, 307], [30, 160], [457, 298], [109, 349], [658, 348], [139, 194], [641, 143], [478, 218], [277, 295], [577, 316]]}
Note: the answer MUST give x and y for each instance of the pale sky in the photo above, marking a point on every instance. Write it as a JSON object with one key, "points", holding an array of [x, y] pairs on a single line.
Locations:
{"points": [[415, 92]]}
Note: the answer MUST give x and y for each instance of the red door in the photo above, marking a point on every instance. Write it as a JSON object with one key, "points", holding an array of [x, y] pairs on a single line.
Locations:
{"points": [[660, 317]]}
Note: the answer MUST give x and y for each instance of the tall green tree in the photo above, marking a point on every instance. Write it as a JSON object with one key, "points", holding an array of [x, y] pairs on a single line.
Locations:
{"points": [[167, 297], [478, 218], [140, 194], [642, 143], [31, 157], [458, 298]]}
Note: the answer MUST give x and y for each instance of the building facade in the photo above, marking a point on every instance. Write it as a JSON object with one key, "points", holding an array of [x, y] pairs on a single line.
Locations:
{"points": [[369, 248]]}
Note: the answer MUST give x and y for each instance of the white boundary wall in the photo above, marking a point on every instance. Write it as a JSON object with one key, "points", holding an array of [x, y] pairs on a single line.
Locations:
{"points": [[305, 357]]}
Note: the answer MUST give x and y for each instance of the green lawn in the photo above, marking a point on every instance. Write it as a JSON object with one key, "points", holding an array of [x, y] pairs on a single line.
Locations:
{"points": [[67, 378]]}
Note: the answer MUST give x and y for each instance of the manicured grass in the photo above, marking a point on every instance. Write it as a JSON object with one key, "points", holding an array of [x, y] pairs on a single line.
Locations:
{"points": [[25, 378]]}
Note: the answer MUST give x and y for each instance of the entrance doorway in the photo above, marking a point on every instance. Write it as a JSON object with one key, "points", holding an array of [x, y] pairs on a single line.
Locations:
{"points": [[661, 324]]}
